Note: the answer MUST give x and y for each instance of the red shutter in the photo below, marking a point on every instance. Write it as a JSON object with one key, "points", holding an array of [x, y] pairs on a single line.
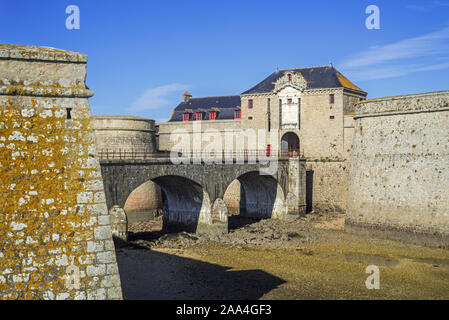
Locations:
{"points": [[212, 115], [237, 114]]}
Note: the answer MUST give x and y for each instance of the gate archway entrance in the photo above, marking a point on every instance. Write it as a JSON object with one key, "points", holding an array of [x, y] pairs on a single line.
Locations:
{"points": [[290, 143]]}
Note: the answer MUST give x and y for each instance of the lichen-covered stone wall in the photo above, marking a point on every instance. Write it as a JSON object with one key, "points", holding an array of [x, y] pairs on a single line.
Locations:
{"points": [[399, 174], [55, 234]]}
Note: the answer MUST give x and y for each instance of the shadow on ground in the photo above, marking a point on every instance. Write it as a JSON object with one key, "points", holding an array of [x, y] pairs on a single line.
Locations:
{"points": [[151, 275], [237, 222]]}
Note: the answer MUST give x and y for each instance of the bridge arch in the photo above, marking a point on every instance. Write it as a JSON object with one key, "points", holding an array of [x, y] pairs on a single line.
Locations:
{"points": [[144, 202], [261, 196], [186, 203]]}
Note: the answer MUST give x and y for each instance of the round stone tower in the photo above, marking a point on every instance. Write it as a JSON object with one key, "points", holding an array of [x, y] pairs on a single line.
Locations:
{"points": [[126, 133]]}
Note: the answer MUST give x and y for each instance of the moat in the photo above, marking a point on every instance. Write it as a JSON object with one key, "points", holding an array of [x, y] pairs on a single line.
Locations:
{"points": [[305, 258]]}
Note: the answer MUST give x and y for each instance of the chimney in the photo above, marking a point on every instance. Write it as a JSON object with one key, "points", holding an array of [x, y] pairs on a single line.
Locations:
{"points": [[186, 96]]}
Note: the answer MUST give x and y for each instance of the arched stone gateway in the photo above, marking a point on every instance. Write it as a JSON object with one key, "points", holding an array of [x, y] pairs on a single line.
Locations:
{"points": [[194, 193], [290, 143]]}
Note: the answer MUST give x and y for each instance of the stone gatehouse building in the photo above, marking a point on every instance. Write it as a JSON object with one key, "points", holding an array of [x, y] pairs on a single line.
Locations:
{"points": [[309, 110]]}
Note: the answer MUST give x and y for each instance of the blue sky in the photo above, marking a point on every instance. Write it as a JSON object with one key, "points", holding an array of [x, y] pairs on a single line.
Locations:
{"points": [[144, 54]]}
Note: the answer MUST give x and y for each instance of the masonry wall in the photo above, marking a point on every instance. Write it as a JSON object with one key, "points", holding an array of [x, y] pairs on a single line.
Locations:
{"points": [[144, 203], [55, 234], [168, 129], [232, 197], [125, 133], [399, 174]]}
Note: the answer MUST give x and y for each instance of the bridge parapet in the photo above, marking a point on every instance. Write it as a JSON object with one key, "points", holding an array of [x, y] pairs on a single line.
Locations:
{"points": [[245, 156]]}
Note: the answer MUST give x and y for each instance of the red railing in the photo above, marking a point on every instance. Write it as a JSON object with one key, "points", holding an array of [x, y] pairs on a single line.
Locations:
{"points": [[135, 154]]}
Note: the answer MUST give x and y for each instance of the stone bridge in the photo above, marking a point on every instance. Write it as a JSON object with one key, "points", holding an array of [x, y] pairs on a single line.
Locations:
{"points": [[194, 192]]}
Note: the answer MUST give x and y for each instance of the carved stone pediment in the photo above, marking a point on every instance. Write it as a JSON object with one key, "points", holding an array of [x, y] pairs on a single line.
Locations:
{"points": [[292, 79]]}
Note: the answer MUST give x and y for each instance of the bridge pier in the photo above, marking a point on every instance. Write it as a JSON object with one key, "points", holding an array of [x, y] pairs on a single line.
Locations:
{"points": [[218, 222], [295, 200]]}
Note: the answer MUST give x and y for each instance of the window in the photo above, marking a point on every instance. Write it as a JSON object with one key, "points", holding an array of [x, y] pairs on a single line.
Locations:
{"points": [[331, 98], [212, 115], [269, 103], [199, 116], [268, 150], [186, 116], [289, 101], [237, 115], [250, 103], [69, 113], [332, 117], [289, 77]]}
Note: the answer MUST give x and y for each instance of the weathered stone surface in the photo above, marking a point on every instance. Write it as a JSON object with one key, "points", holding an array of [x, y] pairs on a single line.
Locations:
{"points": [[399, 173], [51, 186], [119, 223], [192, 190], [124, 133]]}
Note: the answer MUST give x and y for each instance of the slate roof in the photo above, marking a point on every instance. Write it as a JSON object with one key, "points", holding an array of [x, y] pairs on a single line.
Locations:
{"points": [[317, 78], [225, 104]]}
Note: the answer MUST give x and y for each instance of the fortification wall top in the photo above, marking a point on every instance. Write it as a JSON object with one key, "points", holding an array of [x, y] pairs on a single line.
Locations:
{"points": [[45, 72], [22, 52], [412, 103], [128, 123]]}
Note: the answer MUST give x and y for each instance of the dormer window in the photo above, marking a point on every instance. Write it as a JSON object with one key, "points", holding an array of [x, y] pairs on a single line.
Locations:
{"points": [[185, 116], [237, 115], [289, 77], [199, 116], [212, 115]]}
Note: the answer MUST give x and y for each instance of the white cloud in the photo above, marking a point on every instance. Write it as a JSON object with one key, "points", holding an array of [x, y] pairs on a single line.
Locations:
{"points": [[386, 72], [163, 96], [428, 6], [401, 58]]}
